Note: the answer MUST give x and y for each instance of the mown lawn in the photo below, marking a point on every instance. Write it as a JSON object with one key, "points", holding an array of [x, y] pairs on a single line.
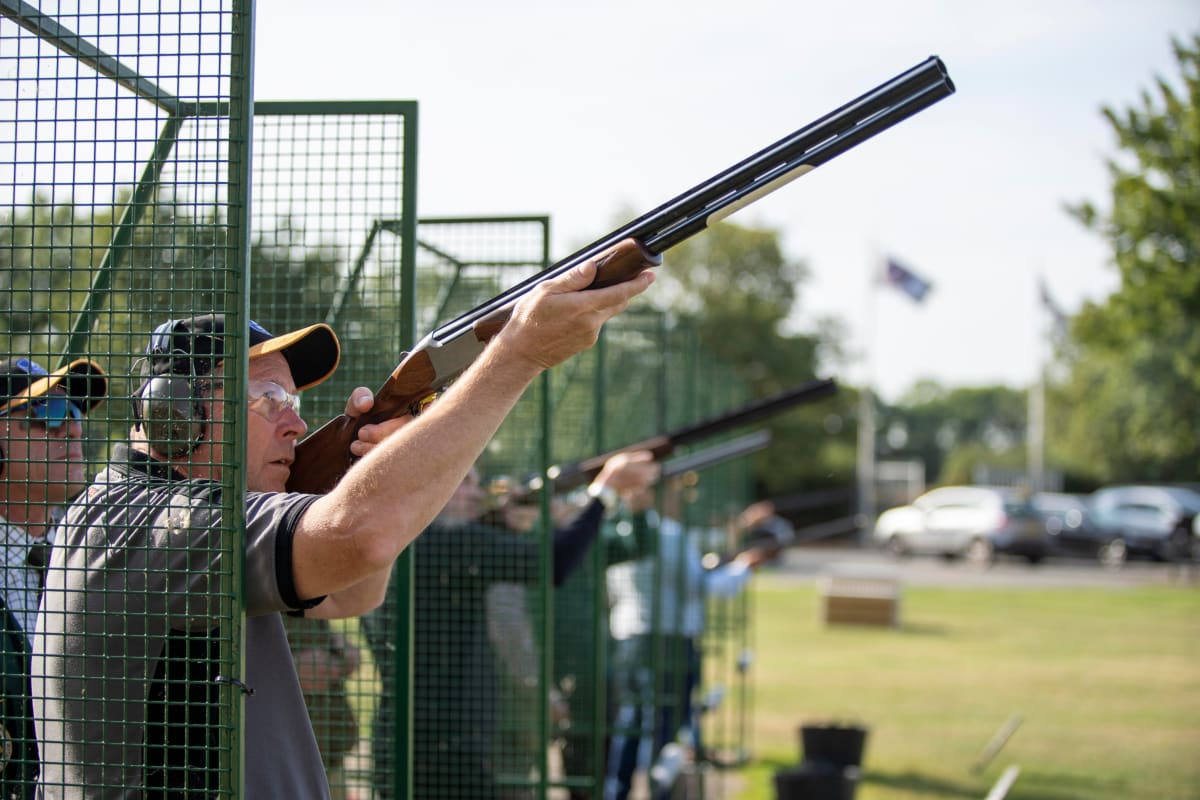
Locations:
{"points": [[1106, 682]]}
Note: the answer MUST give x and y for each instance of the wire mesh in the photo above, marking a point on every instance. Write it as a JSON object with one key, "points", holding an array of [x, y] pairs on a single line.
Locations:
{"points": [[478, 585], [123, 143], [124, 157], [333, 239]]}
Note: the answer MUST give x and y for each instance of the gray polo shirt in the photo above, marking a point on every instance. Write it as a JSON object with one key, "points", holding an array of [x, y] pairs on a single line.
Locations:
{"points": [[126, 657]]}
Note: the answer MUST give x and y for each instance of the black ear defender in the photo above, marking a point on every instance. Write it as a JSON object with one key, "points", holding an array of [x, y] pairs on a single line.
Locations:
{"points": [[172, 415], [170, 405]]}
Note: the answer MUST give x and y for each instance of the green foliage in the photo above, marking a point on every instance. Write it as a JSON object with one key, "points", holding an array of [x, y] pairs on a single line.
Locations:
{"points": [[47, 254], [741, 290], [954, 431], [1130, 406]]}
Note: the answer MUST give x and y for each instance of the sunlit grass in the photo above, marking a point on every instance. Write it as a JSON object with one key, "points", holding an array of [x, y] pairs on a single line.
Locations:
{"points": [[1107, 684]]}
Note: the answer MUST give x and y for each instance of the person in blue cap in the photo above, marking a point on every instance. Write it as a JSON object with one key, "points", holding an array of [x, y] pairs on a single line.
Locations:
{"points": [[41, 467]]}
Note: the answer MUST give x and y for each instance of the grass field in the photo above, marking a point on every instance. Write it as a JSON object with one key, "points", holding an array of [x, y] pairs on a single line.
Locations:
{"points": [[1107, 683]]}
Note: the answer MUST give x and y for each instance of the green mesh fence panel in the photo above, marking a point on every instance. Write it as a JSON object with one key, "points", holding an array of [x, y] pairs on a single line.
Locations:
{"points": [[125, 206], [333, 241], [123, 170], [478, 588], [664, 656]]}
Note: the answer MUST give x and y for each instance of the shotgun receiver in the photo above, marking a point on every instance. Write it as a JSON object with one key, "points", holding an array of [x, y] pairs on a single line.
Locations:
{"points": [[569, 476], [323, 457]]}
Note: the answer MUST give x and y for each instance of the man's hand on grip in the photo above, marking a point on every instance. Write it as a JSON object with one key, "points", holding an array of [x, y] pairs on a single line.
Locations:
{"points": [[360, 402], [559, 318]]}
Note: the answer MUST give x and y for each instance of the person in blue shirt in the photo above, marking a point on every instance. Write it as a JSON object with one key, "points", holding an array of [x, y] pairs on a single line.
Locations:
{"points": [[655, 620]]}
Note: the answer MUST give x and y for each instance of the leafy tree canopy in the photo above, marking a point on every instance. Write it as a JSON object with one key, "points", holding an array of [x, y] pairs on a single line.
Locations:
{"points": [[741, 290], [1130, 406]]}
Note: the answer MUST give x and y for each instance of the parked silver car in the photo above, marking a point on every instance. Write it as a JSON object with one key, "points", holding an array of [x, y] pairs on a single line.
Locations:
{"points": [[1155, 521], [973, 522]]}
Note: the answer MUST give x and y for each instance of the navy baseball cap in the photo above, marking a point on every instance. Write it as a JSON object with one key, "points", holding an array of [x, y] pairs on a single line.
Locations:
{"points": [[23, 380], [195, 345]]}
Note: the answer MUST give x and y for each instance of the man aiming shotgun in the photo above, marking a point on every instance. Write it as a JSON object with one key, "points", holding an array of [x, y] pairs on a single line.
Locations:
{"points": [[127, 623], [127, 688]]}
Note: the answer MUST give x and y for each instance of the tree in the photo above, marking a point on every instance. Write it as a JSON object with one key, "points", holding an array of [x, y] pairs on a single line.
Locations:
{"points": [[740, 290], [1130, 406], [956, 431]]}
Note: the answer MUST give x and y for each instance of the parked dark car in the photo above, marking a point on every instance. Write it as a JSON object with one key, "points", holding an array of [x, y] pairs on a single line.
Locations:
{"points": [[1072, 532], [1155, 521]]}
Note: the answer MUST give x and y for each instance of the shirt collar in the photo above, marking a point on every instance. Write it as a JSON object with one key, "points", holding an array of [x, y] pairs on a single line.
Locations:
{"points": [[136, 460]]}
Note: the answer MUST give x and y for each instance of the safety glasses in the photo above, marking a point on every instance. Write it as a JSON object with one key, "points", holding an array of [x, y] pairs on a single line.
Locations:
{"points": [[269, 400], [51, 412]]}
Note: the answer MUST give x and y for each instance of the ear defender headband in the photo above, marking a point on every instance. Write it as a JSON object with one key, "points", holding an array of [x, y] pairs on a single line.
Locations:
{"points": [[170, 405]]}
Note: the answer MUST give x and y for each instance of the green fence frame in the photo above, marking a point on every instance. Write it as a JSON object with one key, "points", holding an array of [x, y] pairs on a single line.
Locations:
{"points": [[336, 241], [209, 111]]}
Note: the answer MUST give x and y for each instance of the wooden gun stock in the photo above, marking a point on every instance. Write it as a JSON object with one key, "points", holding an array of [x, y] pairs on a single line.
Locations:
{"points": [[324, 456]]}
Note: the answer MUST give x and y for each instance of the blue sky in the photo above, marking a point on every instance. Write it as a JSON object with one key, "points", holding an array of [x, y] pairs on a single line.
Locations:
{"points": [[582, 110]]}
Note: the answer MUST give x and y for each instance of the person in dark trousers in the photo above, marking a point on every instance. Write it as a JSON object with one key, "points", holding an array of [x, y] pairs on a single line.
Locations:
{"points": [[580, 625], [456, 561]]}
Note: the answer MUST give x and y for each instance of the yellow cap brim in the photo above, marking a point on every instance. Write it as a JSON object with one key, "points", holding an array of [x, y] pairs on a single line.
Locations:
{"points": [[83, 380], [312, 353]]}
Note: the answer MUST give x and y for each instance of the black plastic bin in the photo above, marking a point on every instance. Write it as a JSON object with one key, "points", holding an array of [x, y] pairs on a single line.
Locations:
{"points": [[834, 745], [816, 782]]}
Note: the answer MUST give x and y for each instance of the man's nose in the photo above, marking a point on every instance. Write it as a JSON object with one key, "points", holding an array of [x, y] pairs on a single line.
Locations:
{"points": [[69, 429], [292, 424]]}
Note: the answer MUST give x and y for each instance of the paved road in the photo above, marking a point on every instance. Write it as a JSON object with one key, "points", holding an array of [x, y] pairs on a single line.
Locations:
{"points": [[808, 563]]}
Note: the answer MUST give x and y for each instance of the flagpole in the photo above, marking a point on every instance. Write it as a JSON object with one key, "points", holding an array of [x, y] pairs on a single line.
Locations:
{"points": [[1036, 435], [1035, 443], [866, 409]]}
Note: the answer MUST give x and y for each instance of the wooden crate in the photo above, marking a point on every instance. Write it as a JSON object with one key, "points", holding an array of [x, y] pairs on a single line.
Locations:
{"points": [[859, 596]]}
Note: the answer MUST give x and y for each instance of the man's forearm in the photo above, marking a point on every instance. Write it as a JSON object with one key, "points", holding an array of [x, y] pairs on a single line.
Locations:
{"points": [[355, 600], [394, 492]]}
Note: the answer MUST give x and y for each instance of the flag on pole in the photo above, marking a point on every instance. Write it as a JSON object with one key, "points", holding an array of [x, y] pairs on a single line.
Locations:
{"points": [[906, 280]]}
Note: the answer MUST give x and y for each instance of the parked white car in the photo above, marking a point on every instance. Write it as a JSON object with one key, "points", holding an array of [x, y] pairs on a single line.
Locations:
{"points": [[974, 522]]}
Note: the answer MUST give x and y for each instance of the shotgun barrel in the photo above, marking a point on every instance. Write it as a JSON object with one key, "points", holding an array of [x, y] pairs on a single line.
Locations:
{"points": [[568, 476], [717, 454], [324, 456], [754, 177]]}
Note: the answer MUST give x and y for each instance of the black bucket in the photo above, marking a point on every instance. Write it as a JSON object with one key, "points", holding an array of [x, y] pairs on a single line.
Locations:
{"points": [[833, 745], [816, 782]]}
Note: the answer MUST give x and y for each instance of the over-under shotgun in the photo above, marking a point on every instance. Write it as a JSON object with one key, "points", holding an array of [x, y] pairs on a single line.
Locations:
{"points": [[323, 457], [568, 476]]}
